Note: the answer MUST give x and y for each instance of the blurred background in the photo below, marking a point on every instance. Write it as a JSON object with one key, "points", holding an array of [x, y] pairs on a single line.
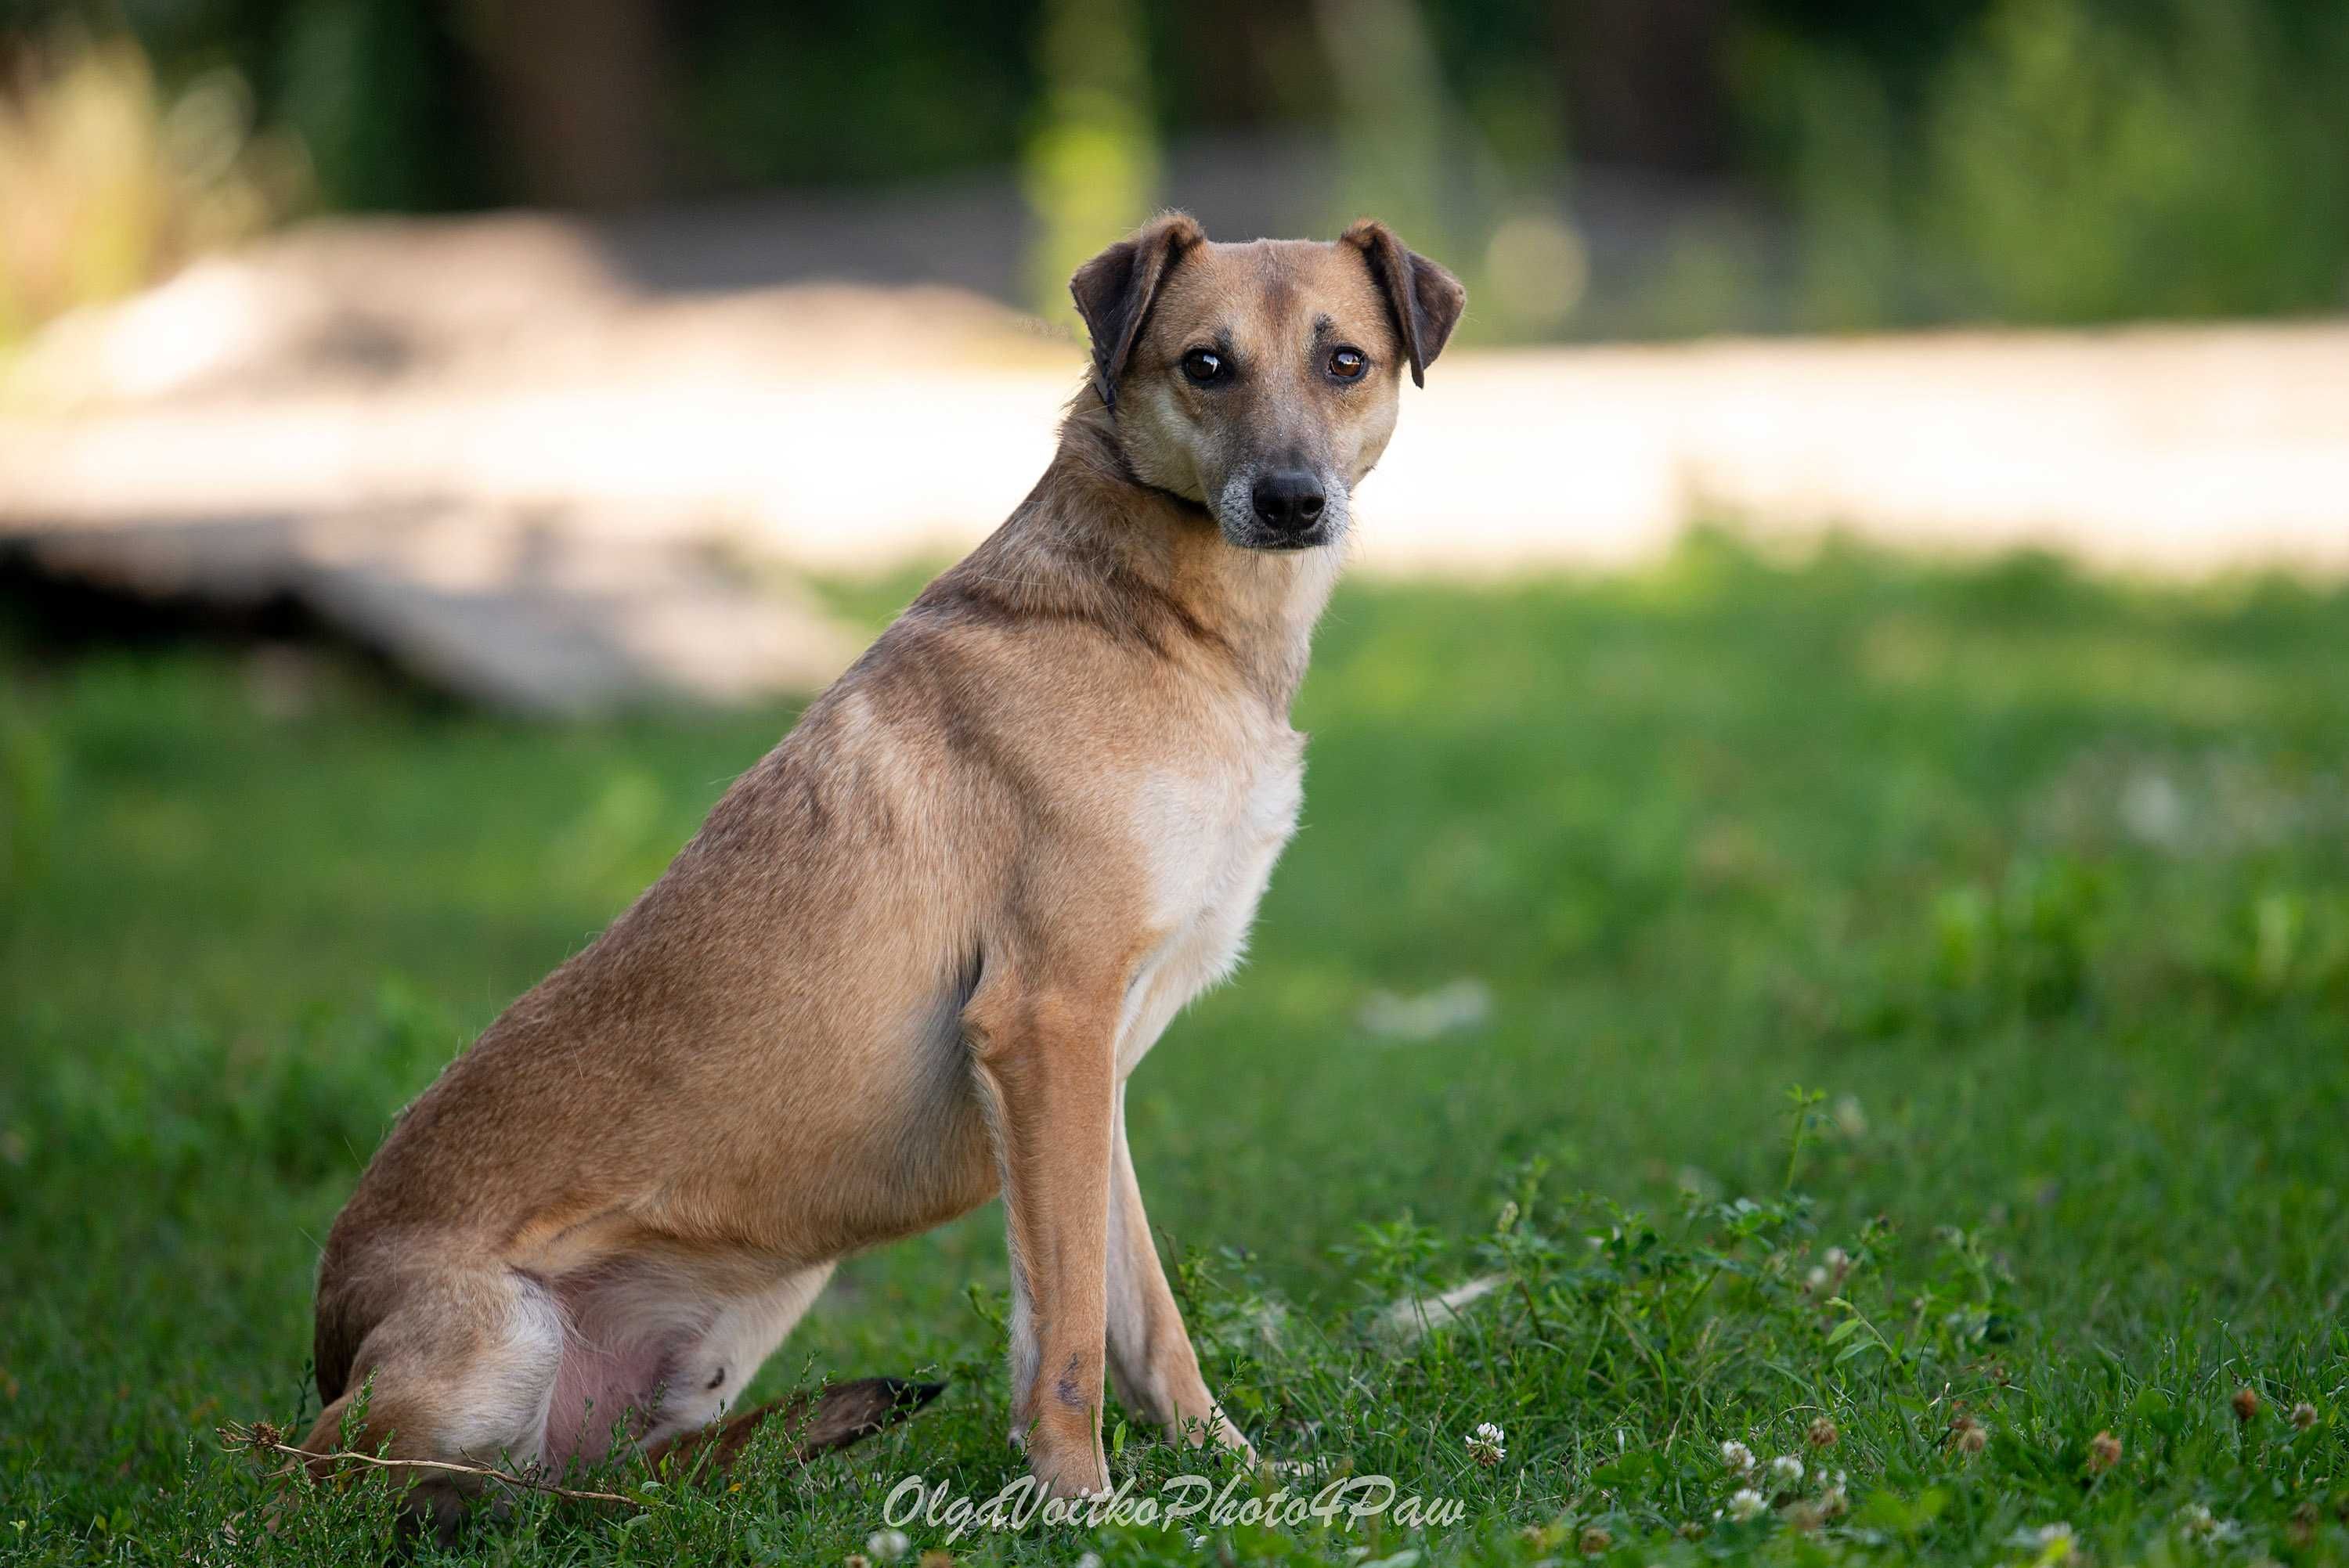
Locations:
{"points": [[1595, 168], [447, 320]]}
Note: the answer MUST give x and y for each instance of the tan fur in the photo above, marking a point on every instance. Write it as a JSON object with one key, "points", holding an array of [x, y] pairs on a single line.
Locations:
{"points": [[913, 952]]}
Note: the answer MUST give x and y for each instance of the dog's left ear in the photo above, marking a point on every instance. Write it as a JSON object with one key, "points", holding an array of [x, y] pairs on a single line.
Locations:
{"points": [[1425, 300], [1113, 291]]}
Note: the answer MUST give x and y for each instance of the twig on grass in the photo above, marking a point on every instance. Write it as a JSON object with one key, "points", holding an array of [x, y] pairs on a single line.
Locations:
{"points": [[263, 1438]]}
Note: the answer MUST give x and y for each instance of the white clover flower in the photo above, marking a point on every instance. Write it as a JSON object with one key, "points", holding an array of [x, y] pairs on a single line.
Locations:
{"points": [[1746, 1504], [1817, 1279], [1737, 1456], [1850, 1115], [1838, 1260], [2199, 1525], [888, 1546], [1786, 1469], [2043, 1536], [1487, 1445], [1089, 1560]]}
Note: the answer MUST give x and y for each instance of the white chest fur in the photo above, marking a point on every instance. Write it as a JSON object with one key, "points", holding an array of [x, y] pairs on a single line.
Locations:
{"points": [[1209, 836]]}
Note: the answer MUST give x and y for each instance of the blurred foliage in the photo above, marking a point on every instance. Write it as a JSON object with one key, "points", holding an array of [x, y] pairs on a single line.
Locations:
{"points": [[1398, 154], [108, 182], [359, 82], [1090, 169], [834, 94], [29, 769], [1789, 163], [2070, 161]]}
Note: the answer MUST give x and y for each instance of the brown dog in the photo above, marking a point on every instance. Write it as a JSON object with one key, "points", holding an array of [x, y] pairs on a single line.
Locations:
{"points": [[914, 952]]}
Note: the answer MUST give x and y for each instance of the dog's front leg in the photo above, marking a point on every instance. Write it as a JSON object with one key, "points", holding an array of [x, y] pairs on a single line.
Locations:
{"points": [[1150, 1354], [1045, 1060]]}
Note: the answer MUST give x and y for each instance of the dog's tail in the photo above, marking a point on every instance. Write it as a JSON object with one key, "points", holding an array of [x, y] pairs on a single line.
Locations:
{"points": [[816, 1423]]}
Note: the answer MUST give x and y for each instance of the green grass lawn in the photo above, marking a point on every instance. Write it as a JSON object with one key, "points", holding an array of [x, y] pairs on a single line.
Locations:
{"points": [[2037, 887]]}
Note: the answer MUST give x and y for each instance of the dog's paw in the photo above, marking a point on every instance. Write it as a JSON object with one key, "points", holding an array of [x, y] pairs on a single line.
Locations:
{"points": [[1075, 1475], [1290, 1470]]}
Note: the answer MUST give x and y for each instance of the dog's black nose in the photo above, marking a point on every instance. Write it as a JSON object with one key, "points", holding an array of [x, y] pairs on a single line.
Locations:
{"points": [[1289, 499]]}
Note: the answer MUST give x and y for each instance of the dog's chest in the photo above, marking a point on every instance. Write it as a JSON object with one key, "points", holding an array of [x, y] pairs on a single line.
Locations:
{"points": [[1208, 835]]}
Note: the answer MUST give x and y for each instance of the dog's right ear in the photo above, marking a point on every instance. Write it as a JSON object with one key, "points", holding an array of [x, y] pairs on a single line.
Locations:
{"points": [[1113, 291]]}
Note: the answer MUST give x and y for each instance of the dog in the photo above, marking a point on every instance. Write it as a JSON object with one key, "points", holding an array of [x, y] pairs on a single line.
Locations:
{"points": [[913, 953]]}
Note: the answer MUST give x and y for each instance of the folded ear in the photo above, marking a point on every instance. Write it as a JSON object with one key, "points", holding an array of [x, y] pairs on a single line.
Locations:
{"points": [[1425, 300], [1113, 291]]}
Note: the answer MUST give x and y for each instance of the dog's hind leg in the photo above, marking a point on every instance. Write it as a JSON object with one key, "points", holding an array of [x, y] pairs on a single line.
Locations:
{"points": [[459, 1372], [728, 1355]]}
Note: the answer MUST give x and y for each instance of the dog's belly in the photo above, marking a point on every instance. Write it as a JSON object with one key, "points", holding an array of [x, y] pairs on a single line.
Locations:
{"points": [[1210, 840], [652, 1347]]}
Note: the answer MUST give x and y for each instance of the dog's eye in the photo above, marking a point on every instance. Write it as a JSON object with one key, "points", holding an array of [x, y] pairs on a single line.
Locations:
{"points": [[1347, 364], [1204, 367]]}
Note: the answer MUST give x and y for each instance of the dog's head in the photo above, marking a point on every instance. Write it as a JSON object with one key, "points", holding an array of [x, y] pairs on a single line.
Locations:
{"points": [[1259, 380]]}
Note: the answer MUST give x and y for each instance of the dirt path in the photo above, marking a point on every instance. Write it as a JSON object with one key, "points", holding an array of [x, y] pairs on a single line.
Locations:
{"points": [[381, 414]]}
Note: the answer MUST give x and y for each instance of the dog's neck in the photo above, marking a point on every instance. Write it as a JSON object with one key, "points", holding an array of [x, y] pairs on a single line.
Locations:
{"points": [[1093, 542]]}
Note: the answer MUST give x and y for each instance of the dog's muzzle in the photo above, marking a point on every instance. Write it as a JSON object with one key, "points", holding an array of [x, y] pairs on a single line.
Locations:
{"points": [[1280, 508]]}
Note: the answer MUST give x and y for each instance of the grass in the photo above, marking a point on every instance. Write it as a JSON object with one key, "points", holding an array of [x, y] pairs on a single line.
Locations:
{"points": [[2035, 885]]}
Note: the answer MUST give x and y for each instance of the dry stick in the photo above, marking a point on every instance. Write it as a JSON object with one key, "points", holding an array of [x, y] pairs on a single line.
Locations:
{"points": [[264, 1439]]}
